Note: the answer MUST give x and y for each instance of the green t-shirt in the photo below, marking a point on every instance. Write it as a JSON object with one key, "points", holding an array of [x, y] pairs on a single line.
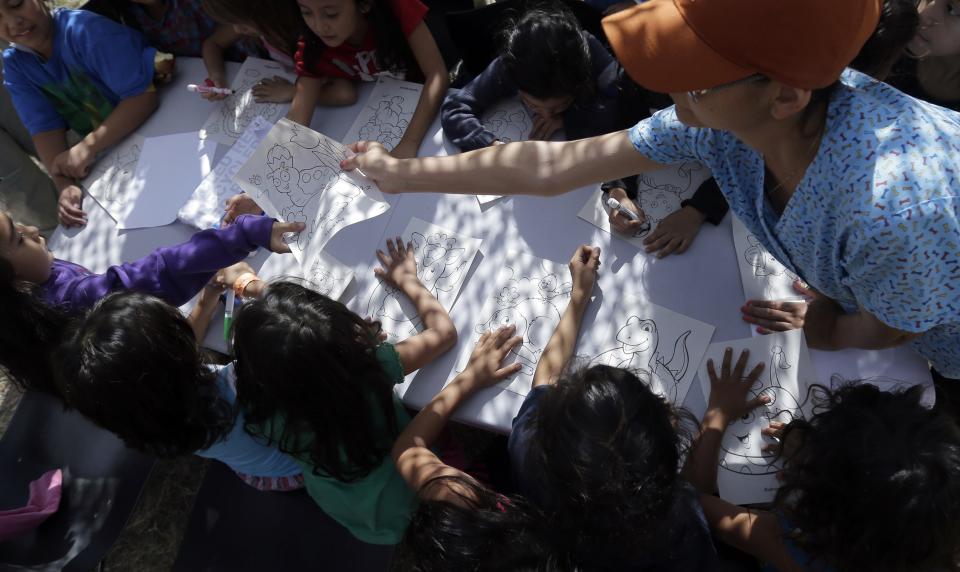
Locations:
{"points": [[377, 508]]}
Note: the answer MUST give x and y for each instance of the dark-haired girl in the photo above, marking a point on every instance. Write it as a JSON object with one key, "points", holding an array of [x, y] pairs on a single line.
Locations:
{"points": [[563, 75], [358, 40]]}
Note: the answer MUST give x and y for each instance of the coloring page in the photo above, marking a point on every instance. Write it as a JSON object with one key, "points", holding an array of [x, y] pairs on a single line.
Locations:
{"points": [[508, 120], [659, 194], [746, 474], [443, 260], [205, 208], [387, 113], [668, 346], [329, 276], [532, 294], [232, 115], [762, 275], [890, 369], [295, 175], [111, 181]]}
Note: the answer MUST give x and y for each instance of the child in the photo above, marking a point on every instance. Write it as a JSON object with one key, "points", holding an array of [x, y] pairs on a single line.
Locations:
{"points": [[133, 366], [870, 482], [557, 69], [72, 69], [360, 39], [38, 292], [178, 27], [313, 378]]}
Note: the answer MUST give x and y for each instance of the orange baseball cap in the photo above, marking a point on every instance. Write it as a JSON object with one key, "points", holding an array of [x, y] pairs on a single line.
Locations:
{"points": [[682, 45]]}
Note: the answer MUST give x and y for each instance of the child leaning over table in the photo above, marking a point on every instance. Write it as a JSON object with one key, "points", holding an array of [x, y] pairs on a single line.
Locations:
{"points": [[75, 70]]}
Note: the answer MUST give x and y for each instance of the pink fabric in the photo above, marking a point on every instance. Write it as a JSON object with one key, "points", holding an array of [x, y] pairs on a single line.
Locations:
{"points": [[44, 501]]}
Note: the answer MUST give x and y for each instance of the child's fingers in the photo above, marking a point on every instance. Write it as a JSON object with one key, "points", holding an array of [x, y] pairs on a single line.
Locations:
{"points": [[595, 258], [757, 402], [508, 347], [392, 249], [507, 371], [382, 256], [503, 334], [741, 364], [754, 374], [712, 372], [725, 364], [671, 247]]}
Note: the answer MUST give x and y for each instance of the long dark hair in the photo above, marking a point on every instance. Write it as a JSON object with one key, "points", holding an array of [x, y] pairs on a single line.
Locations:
{"points": [[898, 24], [133, 366], [872, 481], [30, 330], [312, 362], [278, 20]]}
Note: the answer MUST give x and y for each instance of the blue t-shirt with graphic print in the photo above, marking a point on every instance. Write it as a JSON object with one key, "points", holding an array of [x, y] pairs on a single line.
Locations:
{"points": [[874, 221], [95, 64]]}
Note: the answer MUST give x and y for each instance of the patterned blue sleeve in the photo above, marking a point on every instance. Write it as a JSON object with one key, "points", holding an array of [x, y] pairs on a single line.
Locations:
{"points": [[33, 107], [903, 271], [662, 138], [118, 55]]}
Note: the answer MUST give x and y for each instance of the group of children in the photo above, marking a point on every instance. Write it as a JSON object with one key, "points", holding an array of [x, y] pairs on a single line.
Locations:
{"points": [[608, 475]]}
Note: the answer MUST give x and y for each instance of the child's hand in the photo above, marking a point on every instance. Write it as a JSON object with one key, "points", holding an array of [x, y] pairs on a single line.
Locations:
{"points": [[215, 80], [238, 205], [484, 368], [545, 127], [772, 317], [398, 262], [276, 235], [583, 269], [210, 294], [274, 90], [675, 233], [775, 432], [376, 163], [74, 163], [163, 67], [728, 392], [621, 223], [226, 277], [69, 208]]}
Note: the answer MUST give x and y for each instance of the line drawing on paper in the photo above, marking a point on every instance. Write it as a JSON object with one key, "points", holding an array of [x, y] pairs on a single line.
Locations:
{"points": [[110, 180], [762, 275], [328, 276], [509, 126], [658, 201], [234, 114], [763, 263], [639, 349], [388, 122]]}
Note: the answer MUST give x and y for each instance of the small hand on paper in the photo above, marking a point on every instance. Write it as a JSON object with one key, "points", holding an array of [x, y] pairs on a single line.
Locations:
{"points": [[275, 89], [69, 207], [215, 80], [276, 235], [772, 317], [621, 223], [729, 390], [75, 162], [399, 265], [583, 270], [238, 205], [675, 234], [484, 368], [545, 127]]}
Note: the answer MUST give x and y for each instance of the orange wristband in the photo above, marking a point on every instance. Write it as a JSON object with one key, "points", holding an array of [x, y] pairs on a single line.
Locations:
{"points": [[241, 283]]}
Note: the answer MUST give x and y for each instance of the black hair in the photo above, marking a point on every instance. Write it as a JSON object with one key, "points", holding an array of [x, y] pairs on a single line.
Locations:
{"points": [[546, 53], [483, 532], [133, 367], [606, 453], [898, 24], [31, 329], [872, 481], [393, 52], [278, 21], [311, 361]]}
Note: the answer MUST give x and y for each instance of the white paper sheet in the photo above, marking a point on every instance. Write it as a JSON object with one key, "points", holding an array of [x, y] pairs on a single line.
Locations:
{"points": [[509, 121], [762, 275], [328, 276], [746, 475], [890, 369], [295, 175], [659, 194], [204, 209], [443, 260], [387, 113], [231, 116], [532, 294], [112, 181], [644, 336]]}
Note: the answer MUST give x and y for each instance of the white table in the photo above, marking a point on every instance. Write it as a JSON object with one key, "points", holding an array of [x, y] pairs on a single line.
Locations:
{"points": [[708, 273]]}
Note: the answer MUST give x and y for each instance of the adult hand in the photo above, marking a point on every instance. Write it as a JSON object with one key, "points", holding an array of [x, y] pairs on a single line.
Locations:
{"points": [[69, 208], [375, 162], [545, 127], [274, 90], [238, 205], [772, 317], [484, 368], [215, 80], [583, 270], [277, 243], [729, 389], [74, 163], [622, 223], [675, 233], [398, 262]]}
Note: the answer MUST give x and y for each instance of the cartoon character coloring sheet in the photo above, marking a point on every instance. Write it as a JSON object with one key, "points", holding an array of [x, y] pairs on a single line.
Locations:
{"points": [[509, 121], [387, 113], [205, 208], [295, 175], [232, 115], [443, 260], [531, 294], [763, 276], [111, 181], [659, 194], [747, 474], [328, 276]]}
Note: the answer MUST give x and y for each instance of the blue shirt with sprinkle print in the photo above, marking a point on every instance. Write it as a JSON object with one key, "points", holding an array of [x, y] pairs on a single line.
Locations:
{"points": [[874, 221]]}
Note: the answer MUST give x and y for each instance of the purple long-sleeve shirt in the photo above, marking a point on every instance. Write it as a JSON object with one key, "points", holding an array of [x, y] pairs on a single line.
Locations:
{"points": [[174, 273]]}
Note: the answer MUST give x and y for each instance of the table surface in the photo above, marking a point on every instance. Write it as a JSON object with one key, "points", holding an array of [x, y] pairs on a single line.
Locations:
{"points": [[708, 271]]}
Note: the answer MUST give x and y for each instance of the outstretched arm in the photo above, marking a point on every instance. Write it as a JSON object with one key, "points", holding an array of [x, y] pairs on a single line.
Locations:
{"points": [[755, 532], [428, 57]]}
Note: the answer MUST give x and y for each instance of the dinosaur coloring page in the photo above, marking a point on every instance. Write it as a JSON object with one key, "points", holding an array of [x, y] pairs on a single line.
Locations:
{"points": [[531, 294], [747, 474], [232, 115], [329, 276], [387, 113], [665, 345], [659, 194], [111, 181], [295, 175], [763, 276], [205, 208], [443, 260]]}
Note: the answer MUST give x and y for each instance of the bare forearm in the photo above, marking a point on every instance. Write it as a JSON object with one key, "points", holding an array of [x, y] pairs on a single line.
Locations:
{"points": [[431, 97], [559, 350], [426, 427], [755, 532], [305, 100], [126, 117], [213, 60], [200, 317], [49, 144], [701, 466]]}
